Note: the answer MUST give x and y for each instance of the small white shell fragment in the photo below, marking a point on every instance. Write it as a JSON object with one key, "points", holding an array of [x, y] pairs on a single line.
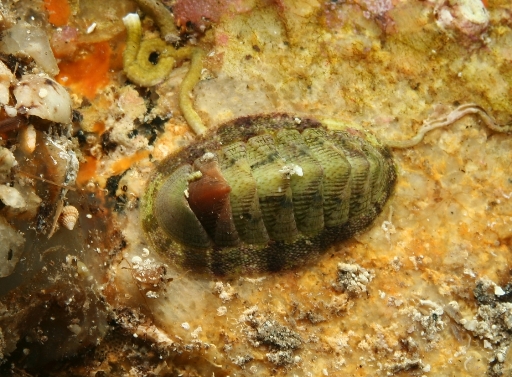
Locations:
{"points": [[33, 41], [473, 11], [7, 161], [44, 98], [291, 169], [91, 28], [498, 291], [6, 78], [69, 217], [10, 111], [11, 197], [195, 333], [28, 138]]}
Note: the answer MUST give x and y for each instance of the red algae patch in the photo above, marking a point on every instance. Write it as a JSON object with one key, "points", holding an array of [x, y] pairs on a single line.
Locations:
{"points": [[200, 13]]}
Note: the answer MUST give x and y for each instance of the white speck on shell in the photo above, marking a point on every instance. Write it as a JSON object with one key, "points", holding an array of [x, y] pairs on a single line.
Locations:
{"points": [[152, 294], [208, 156], [291, 169], [69, 217]]}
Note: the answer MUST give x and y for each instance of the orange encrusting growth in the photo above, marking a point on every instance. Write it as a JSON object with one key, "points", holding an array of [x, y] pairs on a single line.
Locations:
{"points": [[88, 71], [58, 11], [87, 171], [125, 163], [98, 127]]}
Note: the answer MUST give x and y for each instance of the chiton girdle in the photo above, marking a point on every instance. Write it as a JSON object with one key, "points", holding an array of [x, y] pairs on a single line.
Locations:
{"points": [[265, 193]]}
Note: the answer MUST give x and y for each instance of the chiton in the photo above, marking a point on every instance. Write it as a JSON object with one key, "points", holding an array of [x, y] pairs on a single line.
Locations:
{"points": [[265, 193]]}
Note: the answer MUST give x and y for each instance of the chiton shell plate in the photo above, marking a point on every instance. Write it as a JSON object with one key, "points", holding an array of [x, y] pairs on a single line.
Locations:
{"points": [[265, 193]]}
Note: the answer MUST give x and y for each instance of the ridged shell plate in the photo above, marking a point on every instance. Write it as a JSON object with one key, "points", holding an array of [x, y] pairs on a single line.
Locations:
{"points": [[265, 193]]}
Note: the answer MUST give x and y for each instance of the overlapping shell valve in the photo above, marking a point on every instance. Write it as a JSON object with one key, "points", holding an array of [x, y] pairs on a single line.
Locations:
{"points": [[263, 193]]}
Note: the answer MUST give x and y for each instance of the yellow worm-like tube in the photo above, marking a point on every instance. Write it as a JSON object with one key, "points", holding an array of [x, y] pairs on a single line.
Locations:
{"points": [[139, 68], [134, 31], [190, 80], [136, 58], [163, 18]]}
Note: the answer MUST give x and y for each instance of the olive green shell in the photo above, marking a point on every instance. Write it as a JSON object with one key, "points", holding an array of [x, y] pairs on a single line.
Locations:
{"points": [[265, 193]]}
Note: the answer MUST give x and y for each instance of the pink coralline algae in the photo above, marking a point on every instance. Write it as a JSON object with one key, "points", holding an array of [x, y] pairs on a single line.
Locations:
{"points": [[198, 12]]}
